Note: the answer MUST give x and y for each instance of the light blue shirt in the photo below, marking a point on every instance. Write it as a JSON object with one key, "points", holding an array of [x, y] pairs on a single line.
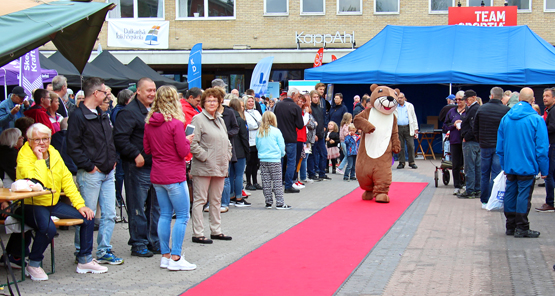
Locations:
{"points": [[7, 120], [271, 148], [403, 115]]}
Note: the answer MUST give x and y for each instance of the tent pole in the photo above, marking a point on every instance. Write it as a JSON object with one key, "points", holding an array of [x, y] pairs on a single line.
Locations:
{"points": [[5, 85], [450, 88]]}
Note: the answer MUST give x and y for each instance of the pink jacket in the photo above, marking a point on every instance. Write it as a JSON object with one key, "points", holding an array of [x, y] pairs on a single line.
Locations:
{"points": [[166, 142]]}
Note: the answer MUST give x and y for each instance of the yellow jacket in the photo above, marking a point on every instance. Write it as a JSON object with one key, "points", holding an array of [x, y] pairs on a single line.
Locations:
{"points": [[57, 177]]}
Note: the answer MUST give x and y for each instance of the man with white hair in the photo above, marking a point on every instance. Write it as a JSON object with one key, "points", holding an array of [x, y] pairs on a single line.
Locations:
{"points": [[522, 146], [290, 118], [59, 86], [235, 92]]}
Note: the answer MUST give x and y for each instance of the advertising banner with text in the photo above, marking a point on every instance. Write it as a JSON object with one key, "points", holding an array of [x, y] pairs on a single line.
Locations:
{"points": [[487, 16], [138, 34]]}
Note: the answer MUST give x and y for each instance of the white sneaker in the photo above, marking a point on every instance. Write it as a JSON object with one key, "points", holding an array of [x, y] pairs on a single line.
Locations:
{"points": [[339, 171], [307, 181], [164, 262], [297, 186], [457, 191], [92, 267], [484, 205], [181, 264], [224, 209], [36, 273]]}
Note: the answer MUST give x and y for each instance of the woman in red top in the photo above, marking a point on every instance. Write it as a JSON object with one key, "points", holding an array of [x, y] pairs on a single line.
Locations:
{"points": [[304, 104], [165, 139]]}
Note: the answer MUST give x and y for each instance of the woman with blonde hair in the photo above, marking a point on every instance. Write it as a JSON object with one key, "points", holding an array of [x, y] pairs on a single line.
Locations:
{"points": [[165, 140], [271, 148], [253, 119], [344, 131]]}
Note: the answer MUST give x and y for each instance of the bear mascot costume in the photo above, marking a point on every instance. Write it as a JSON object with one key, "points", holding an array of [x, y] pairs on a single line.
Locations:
{"points": [[378, 141]]}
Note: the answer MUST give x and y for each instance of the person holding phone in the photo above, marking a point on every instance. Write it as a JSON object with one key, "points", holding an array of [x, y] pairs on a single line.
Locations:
{"points": [[12, 108]]}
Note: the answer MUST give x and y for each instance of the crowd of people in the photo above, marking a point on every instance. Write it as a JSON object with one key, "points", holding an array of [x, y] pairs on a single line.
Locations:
{"points": [[178, 155], [505, 135]]}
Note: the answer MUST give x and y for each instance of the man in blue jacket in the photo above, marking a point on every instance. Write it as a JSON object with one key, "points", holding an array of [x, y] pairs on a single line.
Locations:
{"points": [[522, 146]]}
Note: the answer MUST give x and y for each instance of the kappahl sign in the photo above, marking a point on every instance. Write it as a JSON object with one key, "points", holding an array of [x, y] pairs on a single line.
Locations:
{"points": [[489, 16], [318, 39], [138, 34]]}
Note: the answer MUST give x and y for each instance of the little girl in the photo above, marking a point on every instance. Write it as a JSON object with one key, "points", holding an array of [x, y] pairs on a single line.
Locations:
{"points": [[271, 148], [351, 146], [347, 118], [332, 140]]}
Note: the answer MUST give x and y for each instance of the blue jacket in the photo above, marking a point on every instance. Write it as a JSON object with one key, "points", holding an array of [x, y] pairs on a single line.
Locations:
{"points": [[522, 143], [7, 120], [351, 144], [272, 147]]}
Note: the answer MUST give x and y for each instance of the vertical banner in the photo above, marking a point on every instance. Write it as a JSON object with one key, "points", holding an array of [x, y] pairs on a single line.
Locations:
{"points": [[194, 73], [319, 57], [261, 75], [30, 73]]}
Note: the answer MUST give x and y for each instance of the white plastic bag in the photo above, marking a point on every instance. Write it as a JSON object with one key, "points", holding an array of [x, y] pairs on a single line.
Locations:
{"points": [[495, 202], [24, 185]]}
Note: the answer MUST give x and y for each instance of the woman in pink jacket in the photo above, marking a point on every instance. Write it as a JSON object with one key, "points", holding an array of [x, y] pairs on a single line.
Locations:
{"points": [[165, 139]]}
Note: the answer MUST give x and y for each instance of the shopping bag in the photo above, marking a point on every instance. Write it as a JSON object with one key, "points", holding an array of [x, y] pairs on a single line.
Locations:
{"points": [[495, 202]]}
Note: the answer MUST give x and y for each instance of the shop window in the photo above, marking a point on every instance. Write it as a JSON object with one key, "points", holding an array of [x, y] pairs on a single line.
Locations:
{"points": [[276, 7], [386, 6], [137, 9], [523, 5], [203, 9], [441, 6], [549, 5], [478, 3], [313, 7], [349, 6]]}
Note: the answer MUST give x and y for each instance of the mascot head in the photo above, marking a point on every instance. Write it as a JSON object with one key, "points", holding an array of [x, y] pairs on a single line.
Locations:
{"points": [[383, 98]]}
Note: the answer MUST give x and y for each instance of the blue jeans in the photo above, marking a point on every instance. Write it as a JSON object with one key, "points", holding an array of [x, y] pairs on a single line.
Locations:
{"points": [[38, 217], [351, 167], [490, 169], [550, 180], [318, 159], [290, 157], [303, 168], [516, 201], [227, 191], [98, 188], [142, 207], [172, 197], [236, 171], [344, 161], [471, 152]]}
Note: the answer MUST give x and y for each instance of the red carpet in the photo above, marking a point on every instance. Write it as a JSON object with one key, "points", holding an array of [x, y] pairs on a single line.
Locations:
{"points": [[317, 255]]}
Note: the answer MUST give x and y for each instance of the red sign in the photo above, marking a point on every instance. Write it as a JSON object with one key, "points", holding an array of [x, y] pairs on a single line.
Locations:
{"points": [[319, 57], [487, 16], [333, 58]]}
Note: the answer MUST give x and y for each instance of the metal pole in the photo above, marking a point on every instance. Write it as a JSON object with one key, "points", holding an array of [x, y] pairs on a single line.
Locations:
{"points": [[450, 88]]}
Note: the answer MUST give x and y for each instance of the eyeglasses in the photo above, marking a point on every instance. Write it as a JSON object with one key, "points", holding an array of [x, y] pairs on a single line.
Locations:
{"points": [[102, 91], [212, 102], [458, 100], [43, 140]]}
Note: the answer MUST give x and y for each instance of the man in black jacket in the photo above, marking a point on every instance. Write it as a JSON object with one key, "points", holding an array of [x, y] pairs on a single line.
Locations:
{"points": [[549, 102], [318, 160], [471, 148], [486, 124], [128, 137], [289, 118], [91, 147]]}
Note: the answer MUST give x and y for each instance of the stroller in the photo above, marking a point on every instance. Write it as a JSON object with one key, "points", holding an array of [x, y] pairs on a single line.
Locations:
{"points": [[446, 165]]}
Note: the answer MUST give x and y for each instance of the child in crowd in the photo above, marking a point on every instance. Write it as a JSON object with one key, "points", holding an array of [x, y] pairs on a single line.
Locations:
{"points": [[344, 131], [351, 146], [332, 140], [271, 148]]}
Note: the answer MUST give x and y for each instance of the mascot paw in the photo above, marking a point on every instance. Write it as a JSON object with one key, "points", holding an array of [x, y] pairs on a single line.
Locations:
{"points": [[396, 150], [367, 195], [382, 197]]}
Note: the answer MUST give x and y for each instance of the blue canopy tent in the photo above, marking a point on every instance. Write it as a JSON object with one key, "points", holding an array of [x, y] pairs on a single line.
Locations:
{"points": [[445, 54], [424, 61]]}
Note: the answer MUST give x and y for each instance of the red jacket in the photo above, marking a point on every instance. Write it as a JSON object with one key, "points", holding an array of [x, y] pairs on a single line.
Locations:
{"points": [[166, 142], [189, 111], [38, 113], [301, 133]]}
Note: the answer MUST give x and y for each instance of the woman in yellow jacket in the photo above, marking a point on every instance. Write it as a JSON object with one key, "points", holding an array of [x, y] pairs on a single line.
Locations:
{"points": [[38, 160]]}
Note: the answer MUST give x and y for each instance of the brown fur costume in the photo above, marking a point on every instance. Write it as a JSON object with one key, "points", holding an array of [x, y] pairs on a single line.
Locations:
{"points": [[380, 139]]}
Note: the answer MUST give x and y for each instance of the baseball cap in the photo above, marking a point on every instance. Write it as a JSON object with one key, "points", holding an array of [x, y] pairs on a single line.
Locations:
{"points": [[284, 93], [469, 93], [450, 97], [19, 91], [69, 91], [133, 88], [218, 82]]}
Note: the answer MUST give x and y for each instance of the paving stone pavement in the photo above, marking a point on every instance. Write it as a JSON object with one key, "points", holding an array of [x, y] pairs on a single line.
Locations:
{"points": [[441, 245]]}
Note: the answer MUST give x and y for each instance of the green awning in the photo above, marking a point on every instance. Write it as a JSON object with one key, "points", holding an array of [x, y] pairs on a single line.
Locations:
{"points": [[72, 26]]}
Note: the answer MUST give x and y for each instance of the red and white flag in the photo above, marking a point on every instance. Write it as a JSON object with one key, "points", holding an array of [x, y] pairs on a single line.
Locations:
{"points": [[333, 58], [319, 57]]}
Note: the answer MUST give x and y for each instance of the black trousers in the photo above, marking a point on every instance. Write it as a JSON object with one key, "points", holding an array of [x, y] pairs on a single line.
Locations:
{"points": [[458, 162], [252, 166]]}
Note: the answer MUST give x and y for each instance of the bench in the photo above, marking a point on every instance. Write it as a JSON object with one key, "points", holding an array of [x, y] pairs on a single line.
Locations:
{"points": [[60, 222]]}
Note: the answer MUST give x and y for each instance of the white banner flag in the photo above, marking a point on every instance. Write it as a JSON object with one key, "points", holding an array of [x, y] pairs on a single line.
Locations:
{"points": [[138, 34]]}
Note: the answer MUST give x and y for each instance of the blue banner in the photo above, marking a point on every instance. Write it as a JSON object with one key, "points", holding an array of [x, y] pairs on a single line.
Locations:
{"points": [[194, 72], [261, 75]]}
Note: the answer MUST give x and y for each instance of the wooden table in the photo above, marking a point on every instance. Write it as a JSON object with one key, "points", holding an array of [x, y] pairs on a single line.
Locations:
{"points": [[429, 136], [7, 195]]}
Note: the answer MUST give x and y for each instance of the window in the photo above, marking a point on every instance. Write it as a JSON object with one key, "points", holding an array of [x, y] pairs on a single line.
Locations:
{"points": [[478, 3], [349, 6], [549, 5], [441, 6], [386, 6], [523, 5], [137, 9], [276, 7], [205, 9], [312, 7]]}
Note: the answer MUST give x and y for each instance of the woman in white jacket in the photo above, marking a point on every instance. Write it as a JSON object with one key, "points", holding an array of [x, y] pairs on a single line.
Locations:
{"points": [[254, 119]]}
